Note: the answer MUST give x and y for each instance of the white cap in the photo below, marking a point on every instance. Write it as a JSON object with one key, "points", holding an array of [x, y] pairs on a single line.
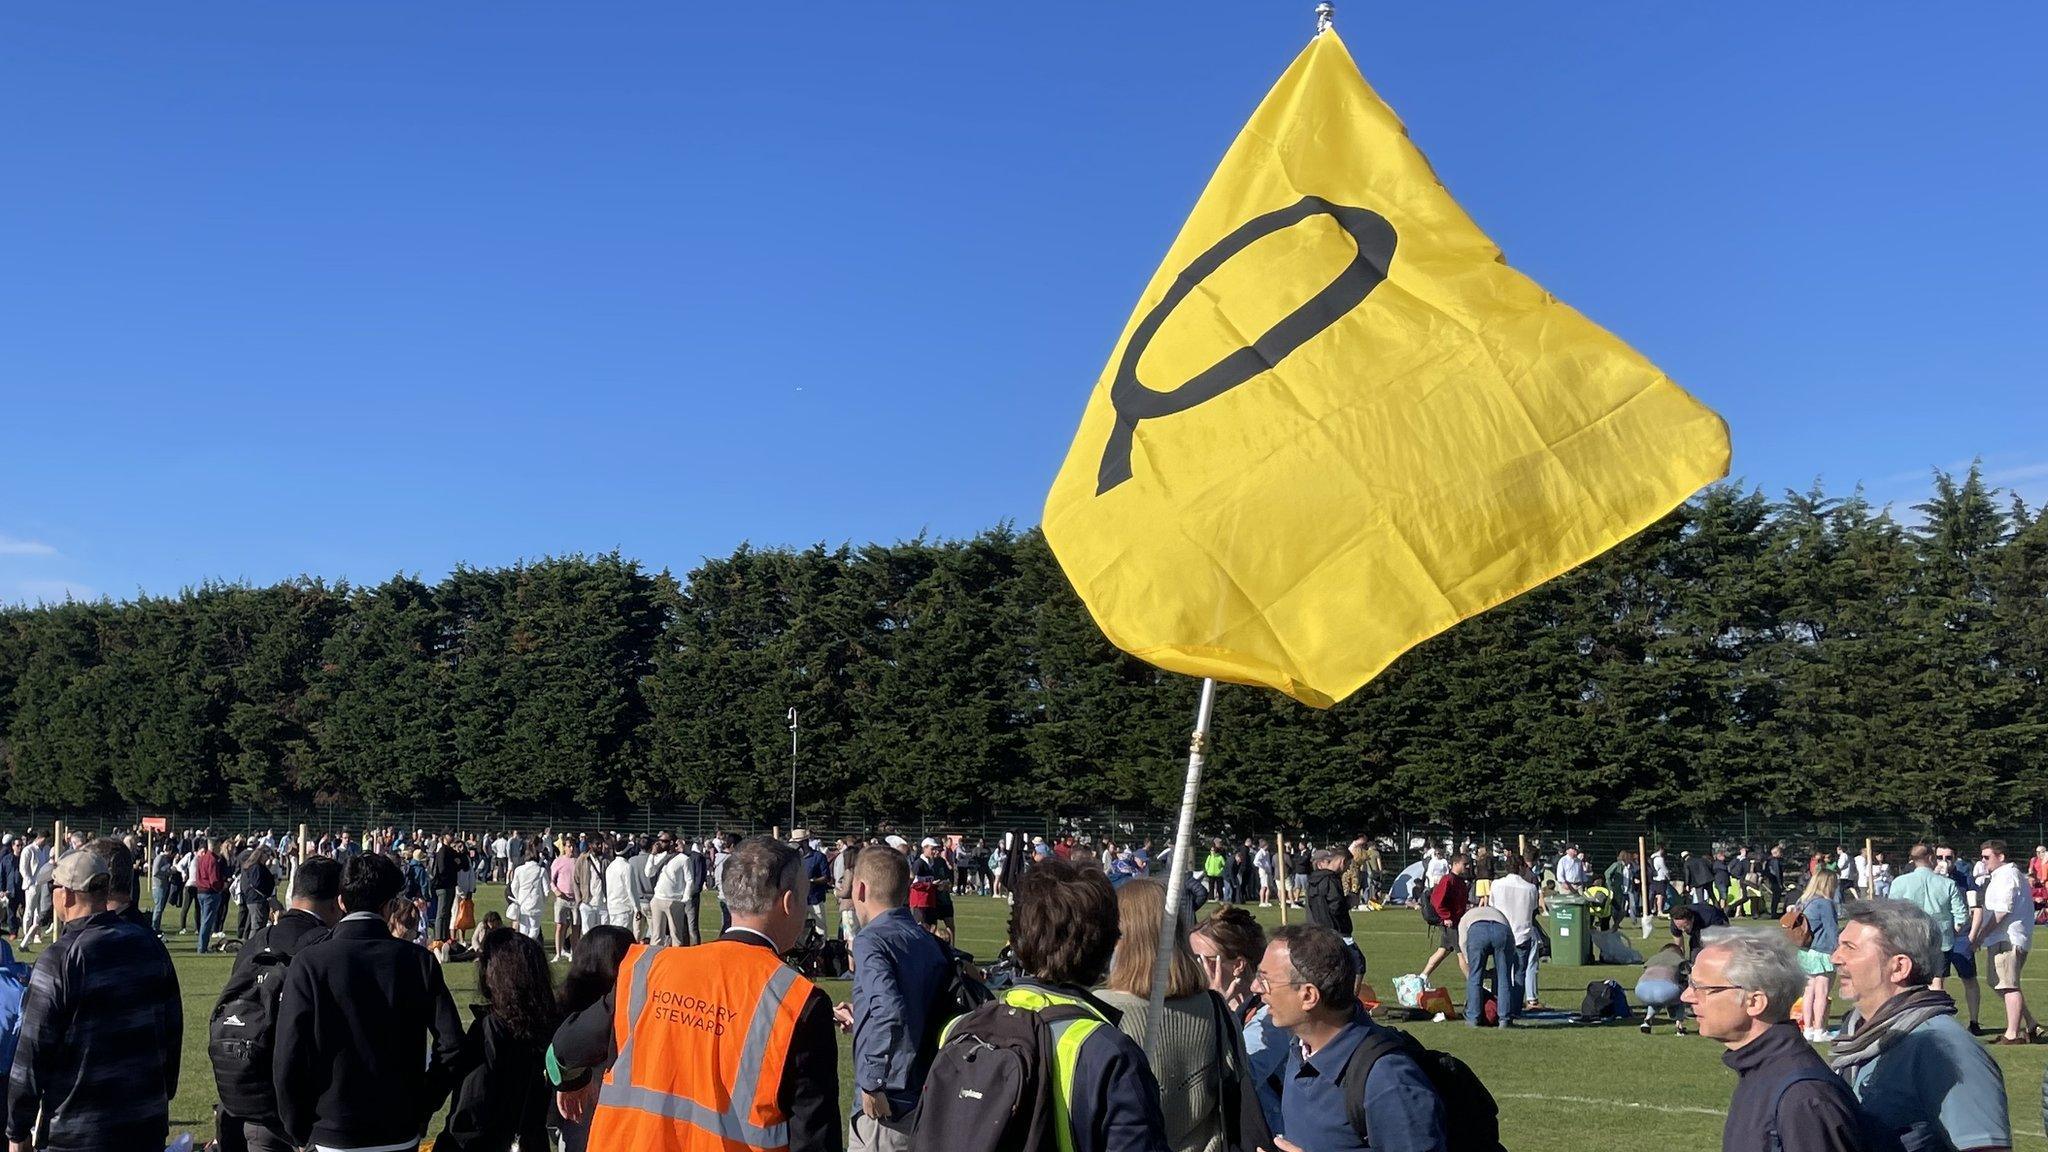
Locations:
{"points": [[929, 843], [896, 842]]}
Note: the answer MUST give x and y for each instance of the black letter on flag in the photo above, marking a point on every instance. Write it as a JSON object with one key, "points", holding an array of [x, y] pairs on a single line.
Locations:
{"points": [[1134, 402]]}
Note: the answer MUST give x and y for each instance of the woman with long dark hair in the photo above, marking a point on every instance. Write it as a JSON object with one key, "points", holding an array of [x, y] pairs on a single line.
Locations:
{"points": [[593, 971], [1229, 945], [502, 1094]]}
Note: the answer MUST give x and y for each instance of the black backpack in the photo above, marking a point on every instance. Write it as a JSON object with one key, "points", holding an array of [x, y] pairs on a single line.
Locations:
{"points": [[958, 997], [241, 1032], [1429, 913], [990, 1088], [1604, 1000], [1471, 1117]]}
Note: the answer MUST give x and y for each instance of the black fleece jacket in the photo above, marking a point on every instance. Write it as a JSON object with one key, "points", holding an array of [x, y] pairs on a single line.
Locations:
{"points": [[353, 1028]]}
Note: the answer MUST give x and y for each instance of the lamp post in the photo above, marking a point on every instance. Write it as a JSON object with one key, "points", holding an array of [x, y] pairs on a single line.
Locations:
{"points": [[792, 770]]}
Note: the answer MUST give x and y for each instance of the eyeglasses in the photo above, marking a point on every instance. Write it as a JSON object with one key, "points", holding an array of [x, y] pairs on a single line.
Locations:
{"points": [[1262, 985], [1699, 989]]}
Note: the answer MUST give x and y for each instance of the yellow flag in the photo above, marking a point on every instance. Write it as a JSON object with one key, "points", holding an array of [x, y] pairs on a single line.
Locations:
{"points": [[1338, 423]]}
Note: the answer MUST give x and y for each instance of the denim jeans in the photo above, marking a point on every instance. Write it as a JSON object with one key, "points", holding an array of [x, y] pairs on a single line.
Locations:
{"points": [[1527, 959], [159, 895], [213, 910], [1484, 942]]}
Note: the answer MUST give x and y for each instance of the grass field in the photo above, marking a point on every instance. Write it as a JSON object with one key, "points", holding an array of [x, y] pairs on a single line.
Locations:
{"points": [[1561, 1087]]}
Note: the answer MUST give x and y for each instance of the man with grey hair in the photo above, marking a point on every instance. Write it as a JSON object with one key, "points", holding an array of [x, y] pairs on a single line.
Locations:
{"points": [[699, 1019], [1917, 1071], [1744, 981]]}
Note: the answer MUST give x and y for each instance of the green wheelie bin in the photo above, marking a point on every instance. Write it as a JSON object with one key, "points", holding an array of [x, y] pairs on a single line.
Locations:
{"points": [[1572, 942]]}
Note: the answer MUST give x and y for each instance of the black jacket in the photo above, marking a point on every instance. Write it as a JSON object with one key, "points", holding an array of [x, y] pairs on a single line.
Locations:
{"points": [[809, 1092], [352, 1032], [258, 882], [1818, 1115], [448, 864], [1699, 872], [294, 930], [1326, 906], [502, 1091]]}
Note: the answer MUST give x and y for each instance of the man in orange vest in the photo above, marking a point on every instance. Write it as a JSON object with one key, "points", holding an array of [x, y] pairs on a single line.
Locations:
{"points": [[717, 1048]]}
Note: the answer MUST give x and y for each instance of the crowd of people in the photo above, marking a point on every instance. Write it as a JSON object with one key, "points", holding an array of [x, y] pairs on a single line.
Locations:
{"points": [[336, 1029]]}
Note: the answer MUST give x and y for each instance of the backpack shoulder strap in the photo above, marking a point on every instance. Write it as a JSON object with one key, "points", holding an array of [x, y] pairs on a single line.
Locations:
{"points": [[1776, 1142], [1358, 1069]]}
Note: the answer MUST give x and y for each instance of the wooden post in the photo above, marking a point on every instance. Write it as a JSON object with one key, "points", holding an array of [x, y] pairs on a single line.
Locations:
{"points": [[56, 839], [1280, 874], [1521, 845], [1869, 860]]}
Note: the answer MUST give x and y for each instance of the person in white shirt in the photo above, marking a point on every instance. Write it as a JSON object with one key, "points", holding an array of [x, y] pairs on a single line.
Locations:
{"points": [[650, 863], [672, 915], [504, 867], [625, 888], [719, 853], [188, 869], [2005, 932], [1569, 871], [1519, 900], [843, 856], [528, 891], [1435, 867]]}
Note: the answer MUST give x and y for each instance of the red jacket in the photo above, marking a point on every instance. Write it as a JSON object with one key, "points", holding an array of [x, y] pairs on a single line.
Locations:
{"points": [[209, 873], [1451, 897]]}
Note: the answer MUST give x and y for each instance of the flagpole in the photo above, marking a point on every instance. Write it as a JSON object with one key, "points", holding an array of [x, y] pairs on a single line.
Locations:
{"points": [[1177, 874], [1184, 832]]}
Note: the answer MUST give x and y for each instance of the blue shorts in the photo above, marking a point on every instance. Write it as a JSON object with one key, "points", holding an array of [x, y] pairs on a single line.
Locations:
{"points": [[1963, 964]]}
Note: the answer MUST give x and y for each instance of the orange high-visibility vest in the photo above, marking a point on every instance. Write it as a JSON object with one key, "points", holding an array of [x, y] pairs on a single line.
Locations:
{"points": [[703, 1034]]}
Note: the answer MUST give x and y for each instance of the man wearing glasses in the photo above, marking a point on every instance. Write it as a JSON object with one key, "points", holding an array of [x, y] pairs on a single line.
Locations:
{"points": [[1307, 979], [1962, 955], [2006, 931], [1744, 981]]}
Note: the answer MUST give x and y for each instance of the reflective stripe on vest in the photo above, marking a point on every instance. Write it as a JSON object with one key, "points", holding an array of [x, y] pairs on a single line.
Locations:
{"points": [[734, 1124], [1067, 1038]]}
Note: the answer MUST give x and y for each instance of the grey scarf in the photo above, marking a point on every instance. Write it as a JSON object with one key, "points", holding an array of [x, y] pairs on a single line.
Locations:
{"points": [[1862, 1040]]}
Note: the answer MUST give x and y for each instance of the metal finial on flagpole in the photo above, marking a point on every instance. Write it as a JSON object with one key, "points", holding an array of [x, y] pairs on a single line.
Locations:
{"points": [[1326, 17]]}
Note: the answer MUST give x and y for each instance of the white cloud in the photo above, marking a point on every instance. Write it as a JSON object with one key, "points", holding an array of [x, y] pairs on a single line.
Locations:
{"points": [[33, 592], [13, 546], [2007, 477]]}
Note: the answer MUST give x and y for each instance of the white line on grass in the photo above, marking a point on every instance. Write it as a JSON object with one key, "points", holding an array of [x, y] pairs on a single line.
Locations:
{"points": [[1683, 1109], [1679, 1109]]}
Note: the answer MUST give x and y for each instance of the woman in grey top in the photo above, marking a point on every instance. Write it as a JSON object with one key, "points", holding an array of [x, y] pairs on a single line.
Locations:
{"points": [[1205, 1090]]}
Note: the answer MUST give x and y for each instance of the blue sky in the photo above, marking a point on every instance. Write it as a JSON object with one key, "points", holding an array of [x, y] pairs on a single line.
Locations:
{"points": [[357, 289]]}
